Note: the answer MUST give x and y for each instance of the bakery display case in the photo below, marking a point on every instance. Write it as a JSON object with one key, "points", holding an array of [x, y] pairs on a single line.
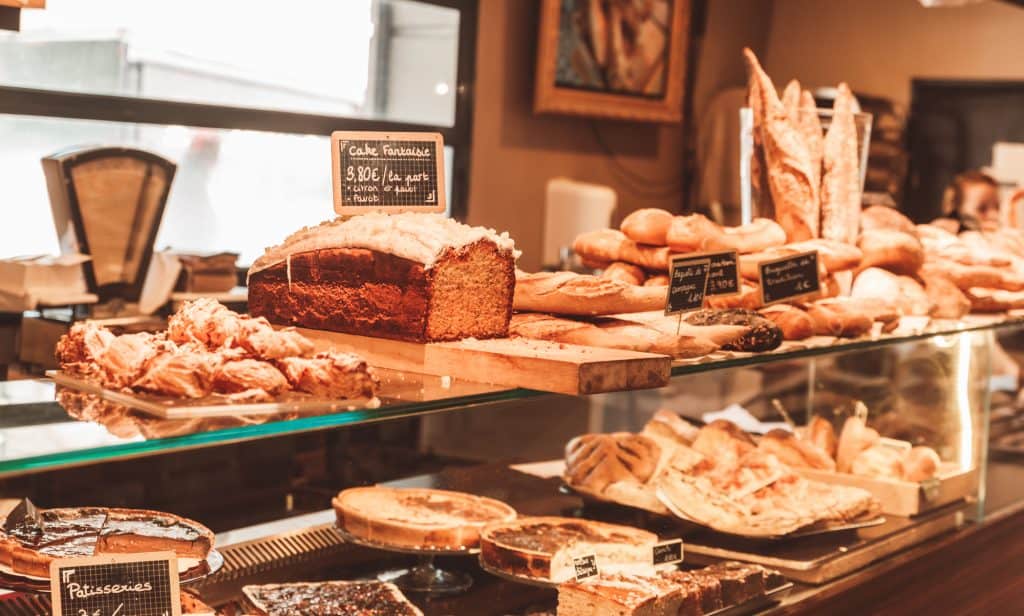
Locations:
{"points": [[917, 389]]}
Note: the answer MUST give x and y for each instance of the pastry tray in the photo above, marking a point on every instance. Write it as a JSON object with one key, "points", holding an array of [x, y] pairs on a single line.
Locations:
{"points": [[24, 583], [418, 551], [820, 559], [166, 407]]}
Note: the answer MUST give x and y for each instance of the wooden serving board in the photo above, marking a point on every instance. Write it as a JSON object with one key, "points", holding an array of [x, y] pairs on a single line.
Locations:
{"points": [[513, 362], [906, 498]]}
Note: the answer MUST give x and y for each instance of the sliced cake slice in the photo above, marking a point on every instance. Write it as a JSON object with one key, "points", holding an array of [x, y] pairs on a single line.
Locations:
{"points": [[136, 530]]}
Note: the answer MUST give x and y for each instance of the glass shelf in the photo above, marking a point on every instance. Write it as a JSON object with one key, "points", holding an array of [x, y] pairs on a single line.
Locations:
{"points": [[37, 434]]}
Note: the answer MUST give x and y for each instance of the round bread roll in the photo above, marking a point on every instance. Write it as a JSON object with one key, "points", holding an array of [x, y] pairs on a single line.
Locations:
{"points": [[854, 438], [884, 217], [624, 272], [647, 226], [878, 461], [896, 251], [905, 293], [920, 463]]}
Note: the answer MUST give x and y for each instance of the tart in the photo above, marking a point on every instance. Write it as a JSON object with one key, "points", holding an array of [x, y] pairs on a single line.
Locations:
{"points": [[418, 517], [334, 598], [544, 547], [28, 545]]}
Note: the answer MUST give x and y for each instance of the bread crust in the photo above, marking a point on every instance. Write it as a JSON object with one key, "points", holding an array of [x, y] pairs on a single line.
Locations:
{"points": [[582, 295], [795, 323], [840, 184], [647, 226], [896, 251], [627, 273]]}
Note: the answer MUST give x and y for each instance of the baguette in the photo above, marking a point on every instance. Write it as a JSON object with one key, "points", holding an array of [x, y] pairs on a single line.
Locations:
{"points": [[790, 179], [810, 128], [994, 300], [647, 226], [608, 333], [795, 323], [840, 183], [579, 294], [696, 232], [758, 164], [971, 276], [624, 272], [833, 256]]}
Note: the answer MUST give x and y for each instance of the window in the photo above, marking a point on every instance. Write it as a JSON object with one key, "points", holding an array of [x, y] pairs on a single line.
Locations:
{"points": [[242, 100]]}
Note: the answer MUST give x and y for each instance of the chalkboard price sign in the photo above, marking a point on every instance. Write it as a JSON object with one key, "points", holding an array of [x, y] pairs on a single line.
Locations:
{"points": [[374, 171], [668, 552], [688, 281], [790, 277], [724, 277], [585, 566], [116, 585]]}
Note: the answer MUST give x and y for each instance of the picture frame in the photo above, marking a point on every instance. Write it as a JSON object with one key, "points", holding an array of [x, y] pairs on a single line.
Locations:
{"points": [[618, 59]]}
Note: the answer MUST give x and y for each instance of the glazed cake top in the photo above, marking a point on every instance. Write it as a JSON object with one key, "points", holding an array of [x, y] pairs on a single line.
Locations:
{"points": [[419, 237]]}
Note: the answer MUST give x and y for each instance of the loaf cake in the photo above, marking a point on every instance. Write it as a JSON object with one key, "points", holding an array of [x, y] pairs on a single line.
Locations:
{"points": [[410, 276], [544, 547], [418, 517]]}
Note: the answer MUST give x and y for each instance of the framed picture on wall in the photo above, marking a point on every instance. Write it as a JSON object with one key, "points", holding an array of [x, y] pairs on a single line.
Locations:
{"points": [[623, 59]]}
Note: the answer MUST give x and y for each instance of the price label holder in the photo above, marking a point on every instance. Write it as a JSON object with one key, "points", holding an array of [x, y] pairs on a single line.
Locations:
{"points": [[585, 566], [668, 552], [144, 584], [388, 172], [789, 278], [688, 282], [724, 277]]}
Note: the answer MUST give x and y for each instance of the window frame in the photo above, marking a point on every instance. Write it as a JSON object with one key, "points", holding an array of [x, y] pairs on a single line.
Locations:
{"points": [[134, 110]]}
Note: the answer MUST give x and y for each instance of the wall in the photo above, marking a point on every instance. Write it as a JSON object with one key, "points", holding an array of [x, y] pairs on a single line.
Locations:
{"points": [[877, 46], [515, 152]]}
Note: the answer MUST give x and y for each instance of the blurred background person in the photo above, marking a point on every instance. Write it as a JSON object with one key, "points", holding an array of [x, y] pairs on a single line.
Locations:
{"points": [[971, 203]]}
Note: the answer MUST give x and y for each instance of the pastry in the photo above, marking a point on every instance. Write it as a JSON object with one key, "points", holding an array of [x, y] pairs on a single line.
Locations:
{"points": [[795, 452], [853, 439], [544, 547], [618, 271], [794, 323], [896, 251], [763, 335], [920, 464], [410, 276], [330, 375], [790, 179], [245, 374], [29, 544], [647, 226], [667, 425], [610, 333], [820, 432], [579, 294], [595, 461], [417, 517], [879, 462], [840, 182], [360, 598]]}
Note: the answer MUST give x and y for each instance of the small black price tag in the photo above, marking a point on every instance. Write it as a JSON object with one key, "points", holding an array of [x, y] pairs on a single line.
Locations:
{"points": [[724, 277], [586, 566], [668, 552], [688, 281], [380, 171], [116, 585], [790, 277]]}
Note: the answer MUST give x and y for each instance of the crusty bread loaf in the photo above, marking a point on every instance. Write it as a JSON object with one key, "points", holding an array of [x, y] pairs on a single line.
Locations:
{"points": [[833, 256], [948, 301], [624, 272], [795, 323], [877, 217], [696, 233], [970, 276], [809, 125], [668, 425], [647, 226], [792, 184], [878, 309], [994, 300], [689, 233], [762, 336], [595, 461], [609, 333], [840, 184], [895, 251], [657, 280], [836, 319], [902, 291], [580, 294]]}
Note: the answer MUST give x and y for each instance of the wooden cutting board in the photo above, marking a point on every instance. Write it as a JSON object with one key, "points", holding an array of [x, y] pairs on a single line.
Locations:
{"points": [[512, 362]]}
